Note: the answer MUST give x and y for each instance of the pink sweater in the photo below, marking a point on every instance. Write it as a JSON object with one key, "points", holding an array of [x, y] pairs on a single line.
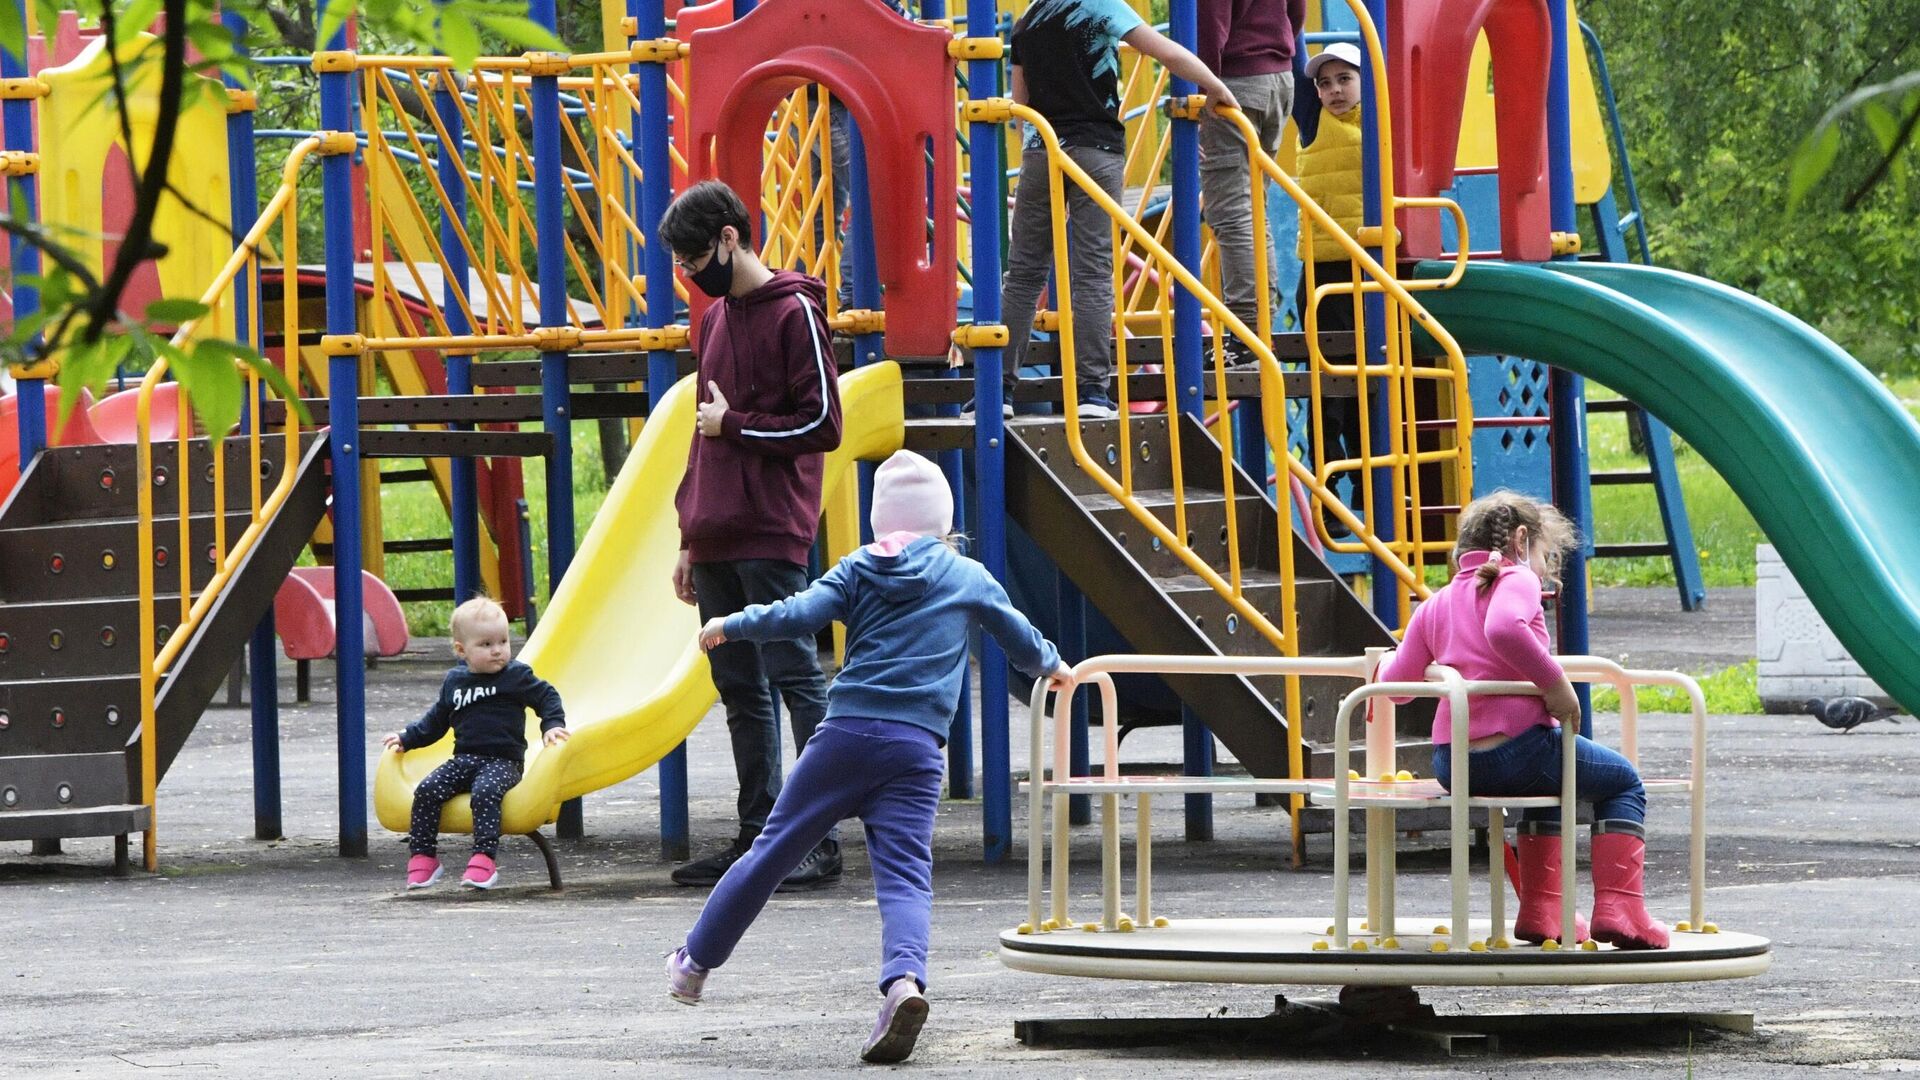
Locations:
{"points": [[1499, 633]]}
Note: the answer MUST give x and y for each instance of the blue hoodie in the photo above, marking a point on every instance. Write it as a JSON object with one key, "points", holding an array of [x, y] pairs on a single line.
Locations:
{"points": [[908, 616]]}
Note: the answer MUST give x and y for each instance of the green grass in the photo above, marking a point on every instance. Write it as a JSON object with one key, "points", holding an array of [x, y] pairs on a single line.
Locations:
{"points": [[414, 511], [1730, 690]]}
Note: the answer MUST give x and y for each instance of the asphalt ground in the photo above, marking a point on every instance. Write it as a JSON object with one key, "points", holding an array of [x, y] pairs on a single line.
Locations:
{"points": [[282, 959]]}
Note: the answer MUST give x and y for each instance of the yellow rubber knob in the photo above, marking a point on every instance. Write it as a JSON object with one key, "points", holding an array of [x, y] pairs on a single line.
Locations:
{"points": [[1024, 928], [1439, 946], [1390, 943], [1549, 945], [1359, 946], [1160, 920]]}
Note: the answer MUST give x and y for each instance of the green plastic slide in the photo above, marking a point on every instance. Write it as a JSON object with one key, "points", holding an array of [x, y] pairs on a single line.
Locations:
{"points": [[1827, 460]]}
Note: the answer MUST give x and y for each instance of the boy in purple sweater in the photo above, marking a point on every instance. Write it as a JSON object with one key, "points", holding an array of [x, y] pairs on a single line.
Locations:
{"points": [[750, 502]]}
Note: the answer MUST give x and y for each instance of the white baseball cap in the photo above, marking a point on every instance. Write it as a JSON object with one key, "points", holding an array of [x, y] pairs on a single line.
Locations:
{"points": [[1345, 52]]}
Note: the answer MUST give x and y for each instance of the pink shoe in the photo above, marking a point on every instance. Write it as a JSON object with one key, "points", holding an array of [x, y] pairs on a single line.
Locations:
{"points": [[901, 1017], [422, 871], [481, 872]]}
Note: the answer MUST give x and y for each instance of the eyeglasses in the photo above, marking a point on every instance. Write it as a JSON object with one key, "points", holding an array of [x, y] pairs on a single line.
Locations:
{"points": [[689, 264]]}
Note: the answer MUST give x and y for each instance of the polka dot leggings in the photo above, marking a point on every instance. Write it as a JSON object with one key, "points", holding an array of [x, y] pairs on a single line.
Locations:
{"points": [[487, 778]]}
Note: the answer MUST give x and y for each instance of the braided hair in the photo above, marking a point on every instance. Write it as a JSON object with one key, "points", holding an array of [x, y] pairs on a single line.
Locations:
{"points": [[1490, 522]]}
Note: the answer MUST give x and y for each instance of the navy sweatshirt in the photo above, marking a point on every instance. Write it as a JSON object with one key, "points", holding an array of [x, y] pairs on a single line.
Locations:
{"points": [[488, 713], [908, 617]]}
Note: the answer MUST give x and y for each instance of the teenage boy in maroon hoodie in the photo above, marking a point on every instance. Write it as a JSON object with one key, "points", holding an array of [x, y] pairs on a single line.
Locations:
{"points": [[750, 502]]}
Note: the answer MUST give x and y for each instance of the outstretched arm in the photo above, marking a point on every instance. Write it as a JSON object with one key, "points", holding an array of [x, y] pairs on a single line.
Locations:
{"points": [[1030, 652], [1178, 61], [805, 612]]}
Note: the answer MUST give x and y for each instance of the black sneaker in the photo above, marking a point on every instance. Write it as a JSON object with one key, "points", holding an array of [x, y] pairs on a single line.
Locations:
{"points": [[1239, 356], [818, 870], [706, 873]]}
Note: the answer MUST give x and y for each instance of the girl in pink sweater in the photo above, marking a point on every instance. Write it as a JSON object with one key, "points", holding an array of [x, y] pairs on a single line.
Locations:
{"points": [[1488, 624]]}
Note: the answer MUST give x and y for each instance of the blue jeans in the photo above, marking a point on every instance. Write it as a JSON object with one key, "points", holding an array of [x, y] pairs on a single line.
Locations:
{"points": [[1529, 764], [888, 774]]}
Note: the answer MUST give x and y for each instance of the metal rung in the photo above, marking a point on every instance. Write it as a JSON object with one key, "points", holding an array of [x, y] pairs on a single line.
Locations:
{"points": [[413, 595], [1624, 476], [406, 476], [417, 547], [1630, 551], [1602, 405]]}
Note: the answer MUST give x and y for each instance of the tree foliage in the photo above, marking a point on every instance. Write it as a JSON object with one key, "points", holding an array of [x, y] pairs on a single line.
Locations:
{"points": [[1716, 97]]}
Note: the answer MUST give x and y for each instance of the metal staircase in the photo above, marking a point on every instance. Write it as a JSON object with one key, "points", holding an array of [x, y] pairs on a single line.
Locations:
{"points": [[70, 624]]}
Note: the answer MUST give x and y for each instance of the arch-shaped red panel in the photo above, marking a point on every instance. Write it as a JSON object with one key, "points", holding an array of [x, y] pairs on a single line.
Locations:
{"points": [[896, 78], [1428, 60]]}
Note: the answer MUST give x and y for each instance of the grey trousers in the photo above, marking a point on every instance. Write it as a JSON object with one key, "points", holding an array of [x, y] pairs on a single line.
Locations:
{"points": [[1227, 187], [1089, 264]]}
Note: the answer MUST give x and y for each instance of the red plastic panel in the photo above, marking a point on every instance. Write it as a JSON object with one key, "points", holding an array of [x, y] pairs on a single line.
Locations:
{"points": [[113, 417], [303, 615], [1429, 55], [897, 80]]}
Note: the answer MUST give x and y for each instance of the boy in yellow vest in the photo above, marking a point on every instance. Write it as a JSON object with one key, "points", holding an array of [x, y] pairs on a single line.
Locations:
{"points": [[1330, 172]]}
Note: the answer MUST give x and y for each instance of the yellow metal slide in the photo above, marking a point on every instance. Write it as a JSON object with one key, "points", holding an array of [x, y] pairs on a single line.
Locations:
{"points": [[615, 641]]}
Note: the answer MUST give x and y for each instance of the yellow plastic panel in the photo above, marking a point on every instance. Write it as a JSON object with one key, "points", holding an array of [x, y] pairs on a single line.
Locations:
{"points": [[615, 641]]}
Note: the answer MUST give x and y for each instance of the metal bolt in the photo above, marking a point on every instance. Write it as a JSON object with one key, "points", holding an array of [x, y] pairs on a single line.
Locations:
{"points": [[59, 717], [107, 636], [64, 793], [106, 559], [10, 798], [113, 715], [993, 442], [5, 720], [106, 479], [55, 639]]}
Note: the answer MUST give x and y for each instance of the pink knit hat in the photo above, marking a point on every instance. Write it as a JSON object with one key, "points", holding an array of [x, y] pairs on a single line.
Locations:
{"points": [[910, 494]]}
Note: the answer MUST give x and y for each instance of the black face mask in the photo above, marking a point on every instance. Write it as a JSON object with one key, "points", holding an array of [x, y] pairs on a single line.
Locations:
{"points": [[716, 278]]}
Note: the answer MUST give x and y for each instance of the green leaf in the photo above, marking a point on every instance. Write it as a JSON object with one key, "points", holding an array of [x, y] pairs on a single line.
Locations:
{"points": [[212, 383], [175, 310], [136, 18], [1810, 163], [332, 17], [13, 29], [522, 31], [213, 40], [458, 38], [1881, 121]]}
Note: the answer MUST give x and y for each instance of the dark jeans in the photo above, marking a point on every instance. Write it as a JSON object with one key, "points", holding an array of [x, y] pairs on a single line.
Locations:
{"points": [[1529, 764], [746, 674]]}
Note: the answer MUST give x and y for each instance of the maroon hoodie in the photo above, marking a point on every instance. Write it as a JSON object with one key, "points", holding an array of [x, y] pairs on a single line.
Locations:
{"points": [[753, 492]]}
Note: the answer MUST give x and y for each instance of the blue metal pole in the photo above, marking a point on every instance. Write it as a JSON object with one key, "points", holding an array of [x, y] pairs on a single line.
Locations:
{"points": [[343, 406], [960, 734], [243, 200], [989, 453], [464, 501], [656, 167], [867, 348], [550, 261], [23, 205], [1370, 346], [1183, 24], [1569, 391]]}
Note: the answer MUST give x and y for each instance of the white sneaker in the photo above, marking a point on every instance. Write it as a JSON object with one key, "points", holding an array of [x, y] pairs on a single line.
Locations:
{"points": [[1094, 410]]}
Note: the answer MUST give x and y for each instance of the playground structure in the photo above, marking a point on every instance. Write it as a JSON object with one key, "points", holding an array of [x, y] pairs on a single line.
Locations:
{"points": [[1168, 521]]}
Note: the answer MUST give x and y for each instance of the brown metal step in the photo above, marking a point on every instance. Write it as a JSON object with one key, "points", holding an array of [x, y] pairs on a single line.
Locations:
{"points": [[47, 639], [414, 444], [88, 715], [95, 558]]}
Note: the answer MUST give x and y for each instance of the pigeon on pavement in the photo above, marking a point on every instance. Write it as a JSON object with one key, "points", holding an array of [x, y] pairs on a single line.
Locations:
{"points": [[1847, 713]]}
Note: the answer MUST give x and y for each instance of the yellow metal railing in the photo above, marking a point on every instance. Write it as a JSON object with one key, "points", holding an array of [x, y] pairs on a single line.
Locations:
{"points": [[160, 645], [1394, 534]]}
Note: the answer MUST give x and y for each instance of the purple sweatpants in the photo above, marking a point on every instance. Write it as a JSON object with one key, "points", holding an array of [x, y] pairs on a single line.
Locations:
{"points": [[888, 775]]}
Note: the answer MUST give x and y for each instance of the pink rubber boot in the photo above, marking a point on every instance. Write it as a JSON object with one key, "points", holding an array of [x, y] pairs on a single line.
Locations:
{"points": [[1619, 901], [1538, 884]]}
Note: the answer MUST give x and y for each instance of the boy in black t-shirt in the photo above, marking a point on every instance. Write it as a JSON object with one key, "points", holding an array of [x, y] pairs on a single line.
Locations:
{"points": [[484, 700], [1066, 66]]}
